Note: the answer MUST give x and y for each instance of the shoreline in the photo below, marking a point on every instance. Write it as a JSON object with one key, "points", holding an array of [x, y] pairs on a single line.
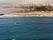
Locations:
{"points": [[30, 14], [38, 14], [27, 16]]}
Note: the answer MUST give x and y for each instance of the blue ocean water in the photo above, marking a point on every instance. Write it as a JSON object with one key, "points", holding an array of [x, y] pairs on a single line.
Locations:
{"points": [[26, 28]]}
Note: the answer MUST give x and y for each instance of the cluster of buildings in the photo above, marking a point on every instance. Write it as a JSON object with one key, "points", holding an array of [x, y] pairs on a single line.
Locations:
{"points": [[35, 7], [28, 7], [8, 6]]}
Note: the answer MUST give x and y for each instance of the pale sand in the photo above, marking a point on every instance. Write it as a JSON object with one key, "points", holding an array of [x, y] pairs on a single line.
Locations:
{"points": [[31, 13]]}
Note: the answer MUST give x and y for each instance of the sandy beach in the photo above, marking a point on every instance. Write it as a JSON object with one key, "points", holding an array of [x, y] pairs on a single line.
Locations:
{"points": [[31, 14]]}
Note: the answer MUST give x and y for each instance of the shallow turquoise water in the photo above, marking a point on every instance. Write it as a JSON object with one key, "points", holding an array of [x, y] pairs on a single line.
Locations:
{"points": [[26, 28]]}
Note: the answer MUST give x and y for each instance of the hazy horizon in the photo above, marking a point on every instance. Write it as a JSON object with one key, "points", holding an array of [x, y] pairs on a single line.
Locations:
{"points": [[20, 1]]}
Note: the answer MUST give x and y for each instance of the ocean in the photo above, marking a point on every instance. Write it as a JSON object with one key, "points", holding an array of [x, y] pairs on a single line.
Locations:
{"points": [[26, 28]]}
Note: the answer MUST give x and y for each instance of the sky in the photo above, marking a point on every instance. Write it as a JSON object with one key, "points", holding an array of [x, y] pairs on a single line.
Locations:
{"points": [[11, 1]]}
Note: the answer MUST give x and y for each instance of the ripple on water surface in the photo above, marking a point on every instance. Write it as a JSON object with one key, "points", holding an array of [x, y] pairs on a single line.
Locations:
{"points": [[26, 27]]}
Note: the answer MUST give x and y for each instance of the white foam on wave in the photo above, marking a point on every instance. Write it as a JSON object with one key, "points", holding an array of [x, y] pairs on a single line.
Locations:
{"points": [[41, 15], [26, 15], [36, 15], [15, 23], [13, 39]]}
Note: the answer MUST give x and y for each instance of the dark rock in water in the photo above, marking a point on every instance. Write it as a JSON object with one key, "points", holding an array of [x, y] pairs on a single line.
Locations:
{"points": [[1, 14]]}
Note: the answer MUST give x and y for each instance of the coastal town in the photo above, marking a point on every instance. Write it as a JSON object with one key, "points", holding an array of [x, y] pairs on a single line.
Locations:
{"points": [[29, 9]]}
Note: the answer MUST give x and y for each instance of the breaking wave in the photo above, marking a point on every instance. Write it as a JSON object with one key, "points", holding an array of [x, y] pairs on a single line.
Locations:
{"points": [[26, 16]]}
